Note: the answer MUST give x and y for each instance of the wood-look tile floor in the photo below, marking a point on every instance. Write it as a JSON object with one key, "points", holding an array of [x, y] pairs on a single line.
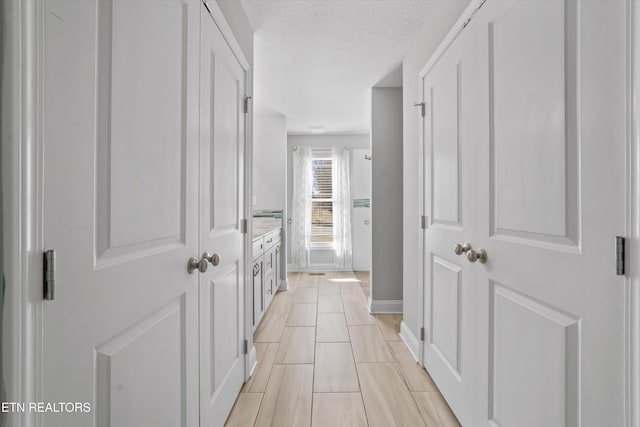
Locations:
{"points": [[323, 360]]}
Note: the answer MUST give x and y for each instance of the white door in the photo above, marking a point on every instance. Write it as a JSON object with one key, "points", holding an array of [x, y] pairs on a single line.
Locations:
{"points": [[550, 198], [360, 209], [448, 183], [222, 311], [546, 135], [120, 208]]}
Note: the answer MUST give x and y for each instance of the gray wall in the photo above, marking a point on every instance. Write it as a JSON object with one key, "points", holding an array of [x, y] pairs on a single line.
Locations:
{"points": [[351, 141], [269, 161], [386, 194], [438, 24]]}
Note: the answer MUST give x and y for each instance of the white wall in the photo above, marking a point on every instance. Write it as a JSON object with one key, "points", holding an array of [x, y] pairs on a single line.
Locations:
{"points": [[386, 199], [441, 19], [269, 161], [351, 141]]}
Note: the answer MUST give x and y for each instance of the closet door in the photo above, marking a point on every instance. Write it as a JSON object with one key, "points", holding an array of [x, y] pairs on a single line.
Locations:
{"points": [[119, 178], [448, 138], [222, 313], [549, 198]]}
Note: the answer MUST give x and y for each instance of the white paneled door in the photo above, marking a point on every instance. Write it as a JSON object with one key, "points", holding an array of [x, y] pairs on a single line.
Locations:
{"points": [[539, 181], [136, 181], [221, 208], [448, 349]]}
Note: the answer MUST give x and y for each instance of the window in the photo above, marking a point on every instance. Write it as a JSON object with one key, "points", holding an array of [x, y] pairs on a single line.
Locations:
{"points": [[322, 199]]}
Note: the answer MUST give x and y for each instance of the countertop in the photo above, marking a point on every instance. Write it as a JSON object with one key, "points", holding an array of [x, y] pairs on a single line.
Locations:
{"points": [[262, 226]]}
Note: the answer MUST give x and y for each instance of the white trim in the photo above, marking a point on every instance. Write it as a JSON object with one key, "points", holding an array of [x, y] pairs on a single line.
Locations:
{"points": [[22, 168], [315, 268], [451, 36], [411, 341], [227, 33], [253, 361], [388, 306], [284, 284], [632, 365]]}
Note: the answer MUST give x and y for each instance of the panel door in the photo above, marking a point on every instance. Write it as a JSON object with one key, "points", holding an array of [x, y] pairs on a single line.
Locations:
{"points": [[448, 277], [550, 198], [120, 204], [222, 127]]}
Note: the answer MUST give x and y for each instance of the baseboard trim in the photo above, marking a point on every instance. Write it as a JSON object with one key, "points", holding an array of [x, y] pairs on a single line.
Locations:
{"points": [[253, 361], [316, 267], [390, 306], [284, 285], [410, 340]]}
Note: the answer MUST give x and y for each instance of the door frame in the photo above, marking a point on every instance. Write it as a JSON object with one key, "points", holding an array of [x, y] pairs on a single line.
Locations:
{"points": [[23, 187], [632, 208], [632, 368]]}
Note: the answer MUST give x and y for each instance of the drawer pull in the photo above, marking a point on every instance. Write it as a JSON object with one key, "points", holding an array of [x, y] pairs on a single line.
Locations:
{"points": [[256, 270], [270, 240]]}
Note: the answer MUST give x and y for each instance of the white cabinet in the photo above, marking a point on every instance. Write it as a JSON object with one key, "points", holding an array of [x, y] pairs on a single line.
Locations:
{"points": [[266, 271]]}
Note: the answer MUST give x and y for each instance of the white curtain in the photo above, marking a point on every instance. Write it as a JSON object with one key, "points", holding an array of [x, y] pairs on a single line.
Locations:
{"points": [[301, 209], [341, 208]]}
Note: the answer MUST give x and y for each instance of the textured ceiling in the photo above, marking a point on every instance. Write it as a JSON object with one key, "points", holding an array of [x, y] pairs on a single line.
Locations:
{"points": [[315, 61]]}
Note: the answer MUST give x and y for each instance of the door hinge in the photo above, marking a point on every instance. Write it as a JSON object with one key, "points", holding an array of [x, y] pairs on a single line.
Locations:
{"points": [[245, 347], [243, 226], [423, 222], [422, 106], [619, 251], [246, 104], [49, 275], [421, 334]]}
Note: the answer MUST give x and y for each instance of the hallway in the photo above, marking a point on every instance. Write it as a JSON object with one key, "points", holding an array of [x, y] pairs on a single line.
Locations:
{"points": [[323, 360]]}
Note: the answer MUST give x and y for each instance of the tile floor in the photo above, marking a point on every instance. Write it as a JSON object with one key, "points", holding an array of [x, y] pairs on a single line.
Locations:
{"points": [[323, 360]]}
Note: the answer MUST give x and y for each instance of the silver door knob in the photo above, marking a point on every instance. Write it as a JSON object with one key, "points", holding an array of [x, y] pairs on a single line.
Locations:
{"points": [[477, 255], [213, 259], [193, 264], [460, 249]]}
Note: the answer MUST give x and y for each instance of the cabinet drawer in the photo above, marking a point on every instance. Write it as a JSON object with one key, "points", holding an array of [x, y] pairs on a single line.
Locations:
{"points": [[258, 246], [271, 239]]}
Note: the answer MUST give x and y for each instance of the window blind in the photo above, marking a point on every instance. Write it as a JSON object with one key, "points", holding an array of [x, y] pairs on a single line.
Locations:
{"points": [[322, 197]]}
